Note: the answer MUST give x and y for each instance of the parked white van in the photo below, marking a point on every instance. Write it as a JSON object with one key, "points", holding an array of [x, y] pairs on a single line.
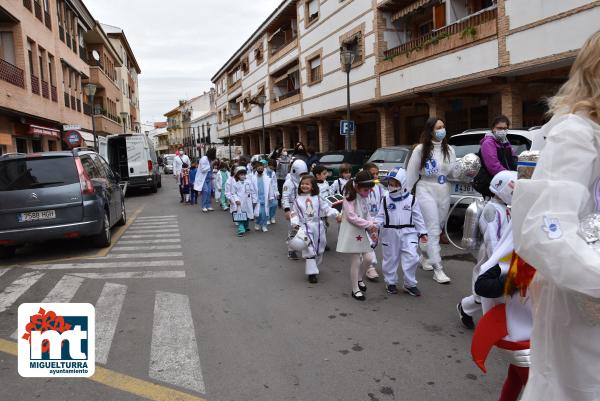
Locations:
{"points": [[132, 156]]}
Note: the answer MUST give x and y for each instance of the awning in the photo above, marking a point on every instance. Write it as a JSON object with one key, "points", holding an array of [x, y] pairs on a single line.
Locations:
{"points": [[410, 9], [38, 130], [5, 139]]}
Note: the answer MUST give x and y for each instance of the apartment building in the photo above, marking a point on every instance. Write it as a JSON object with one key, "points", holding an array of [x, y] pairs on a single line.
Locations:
{"points": [[127, 78], [462, 60], [160, 137], [49, 51]]}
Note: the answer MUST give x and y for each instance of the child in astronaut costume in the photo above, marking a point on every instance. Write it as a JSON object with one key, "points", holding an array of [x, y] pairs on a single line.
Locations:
{"points": [[290, 192], [309, 209], [432, 190], [493, 223], [242, 198], [401, 225]]}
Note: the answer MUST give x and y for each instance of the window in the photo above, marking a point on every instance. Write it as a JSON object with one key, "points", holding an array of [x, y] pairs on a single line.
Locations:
{"points": [[315, 70], [36, 146], [258, 55], [245, 65], [41, 59], [311, 11], [246, 103], [30, 57], [7, 47], [354, 41]]}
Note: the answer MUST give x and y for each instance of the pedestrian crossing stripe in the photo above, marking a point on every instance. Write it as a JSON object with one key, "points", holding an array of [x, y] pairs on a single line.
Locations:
{"points": [[107, 265], [150, 241], [18, 288], [108, 309], [145, 248], [144, 255], [170, 216], [126, 236]]}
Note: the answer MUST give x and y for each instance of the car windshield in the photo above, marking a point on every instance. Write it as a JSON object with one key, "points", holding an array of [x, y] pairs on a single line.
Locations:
{"points": [[169, 159], [22, 173], [389, 156], [332, 158], [466, 144]]}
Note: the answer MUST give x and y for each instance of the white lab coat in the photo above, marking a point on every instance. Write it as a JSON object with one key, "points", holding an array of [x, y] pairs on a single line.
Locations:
{"points": [[337, 187], [309, 212], [219, 184], [433, 193], [242, 191], [203, 169], [565, 344], [270, 189], [178, 165]]}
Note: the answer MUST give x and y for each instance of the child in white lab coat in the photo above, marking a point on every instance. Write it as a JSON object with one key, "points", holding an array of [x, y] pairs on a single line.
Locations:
{"points": [[337, 187], [242, 199], [309, 209], [221, 178]]}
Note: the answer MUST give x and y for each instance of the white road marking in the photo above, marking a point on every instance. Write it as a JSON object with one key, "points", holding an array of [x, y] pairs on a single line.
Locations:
{"points": [[63, 291], [151, 226], [18, 288], [148, 231], [108, 309], [150, 241], [144, 255], [127, 236], [144, 274], [169, 216], [4, 271], [174, 352], [145, 248], [107, 265]]}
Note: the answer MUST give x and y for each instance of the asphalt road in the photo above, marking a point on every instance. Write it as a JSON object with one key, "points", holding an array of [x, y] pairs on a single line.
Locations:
{"points": [[187, 309]]}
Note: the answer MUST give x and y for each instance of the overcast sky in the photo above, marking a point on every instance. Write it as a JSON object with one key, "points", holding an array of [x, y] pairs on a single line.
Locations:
{"points": [[180, 44]]}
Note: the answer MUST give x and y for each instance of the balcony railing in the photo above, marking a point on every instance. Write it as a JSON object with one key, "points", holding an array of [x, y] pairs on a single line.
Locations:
{"points": [[67, 97], [87, 109], [47, 20], [275, 49], [287, 95], [464, 27], [12, 74], [27, 4], [73, 102], [38, 10], [45, 89], [61, 33], [35, 84], [53, 93]]}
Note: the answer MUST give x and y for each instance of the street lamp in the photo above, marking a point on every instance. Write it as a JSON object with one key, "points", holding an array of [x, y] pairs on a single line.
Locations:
{"points": [[261, 100], [228, 117], [90, 91], [124, 115], [347, 57]]}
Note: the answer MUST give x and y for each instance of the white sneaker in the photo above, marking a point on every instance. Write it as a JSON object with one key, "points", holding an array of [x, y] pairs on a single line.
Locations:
{"points": [[210, 209], [256, 227], [439, 275], [265, 229], [204, 210], [273, 220], [268, 222], [372, 273], [425, 265]]}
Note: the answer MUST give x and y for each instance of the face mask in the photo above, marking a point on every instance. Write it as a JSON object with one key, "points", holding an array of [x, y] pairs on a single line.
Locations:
{"points": [[394, 190], [500, 135], [440, 134], [364, 194], [284, 153], [259, 172]]}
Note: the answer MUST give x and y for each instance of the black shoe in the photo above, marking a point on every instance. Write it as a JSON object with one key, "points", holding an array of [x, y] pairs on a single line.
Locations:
{"points": [[361, 286], [414, 291], [313, 278], [181, 201], [293, 255], [359, 296], [327, 249], [392, 289], [466, 320]]}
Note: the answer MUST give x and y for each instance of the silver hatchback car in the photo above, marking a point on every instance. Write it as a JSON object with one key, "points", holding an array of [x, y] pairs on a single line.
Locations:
{"points": [[54, 195]]}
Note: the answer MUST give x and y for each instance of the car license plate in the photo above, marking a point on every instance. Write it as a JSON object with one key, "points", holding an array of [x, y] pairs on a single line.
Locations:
{"points": [[463, 188], [34, 216]]}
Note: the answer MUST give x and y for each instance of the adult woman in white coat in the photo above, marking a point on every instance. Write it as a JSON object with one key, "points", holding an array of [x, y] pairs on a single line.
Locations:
{"points": [[203, 182], [432, 160], [565, 291]]}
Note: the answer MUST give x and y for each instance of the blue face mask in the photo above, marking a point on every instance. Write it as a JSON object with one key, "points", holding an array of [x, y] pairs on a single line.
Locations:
{"points": [[440, 134]]}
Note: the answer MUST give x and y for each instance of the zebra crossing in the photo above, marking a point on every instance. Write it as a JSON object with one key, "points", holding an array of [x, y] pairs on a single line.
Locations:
{"points": [[141, 253]]}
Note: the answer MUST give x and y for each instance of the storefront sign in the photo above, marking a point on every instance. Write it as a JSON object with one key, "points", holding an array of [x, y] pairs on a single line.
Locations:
{"points": [[71, 127], [38, 130]]}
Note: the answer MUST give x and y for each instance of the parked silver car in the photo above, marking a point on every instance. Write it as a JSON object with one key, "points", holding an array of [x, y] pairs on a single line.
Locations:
{"points": [[168, 160], [388, 157], [54, 195]]}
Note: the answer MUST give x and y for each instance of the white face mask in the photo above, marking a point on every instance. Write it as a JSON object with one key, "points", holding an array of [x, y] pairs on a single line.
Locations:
{"points": [[500, 135], [395, 190], [284, 153]]}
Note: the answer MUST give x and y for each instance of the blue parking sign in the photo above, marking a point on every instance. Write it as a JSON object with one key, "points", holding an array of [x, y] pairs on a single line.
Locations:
{"points": [[347, 127]]}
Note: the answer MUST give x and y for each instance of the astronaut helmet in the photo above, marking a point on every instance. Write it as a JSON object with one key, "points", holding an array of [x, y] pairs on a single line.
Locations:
{"points": [[398, 174], [298, 168], [503, 185], [299, 241]]}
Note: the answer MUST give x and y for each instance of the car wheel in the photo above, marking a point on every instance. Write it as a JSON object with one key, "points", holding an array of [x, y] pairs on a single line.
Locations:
{"points": [[7, 252], [104, 237], [154, 187], [123, 220], [159, 182]]}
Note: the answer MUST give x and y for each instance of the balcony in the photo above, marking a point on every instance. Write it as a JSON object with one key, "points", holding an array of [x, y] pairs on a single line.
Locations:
{"points": [[99, 77], [280, 52], [108, 125], [35, 84], [12, 74], [54, 93], [38, 10], [45, 89], [87, 109], [472, 28], [285, 99]]}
